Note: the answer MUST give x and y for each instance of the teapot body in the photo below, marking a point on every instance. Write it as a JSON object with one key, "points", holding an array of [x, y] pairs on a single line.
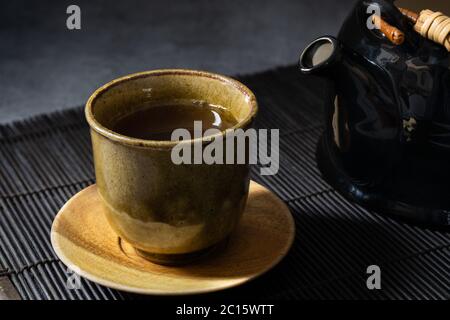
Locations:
{"points": [[386, 142]]}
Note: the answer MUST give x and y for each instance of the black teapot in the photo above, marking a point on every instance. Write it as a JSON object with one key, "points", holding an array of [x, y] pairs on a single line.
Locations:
{"points": [[386, 143]]}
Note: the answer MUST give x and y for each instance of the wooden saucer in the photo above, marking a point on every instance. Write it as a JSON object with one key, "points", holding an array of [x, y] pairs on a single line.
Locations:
{"points": [[83, 240]]}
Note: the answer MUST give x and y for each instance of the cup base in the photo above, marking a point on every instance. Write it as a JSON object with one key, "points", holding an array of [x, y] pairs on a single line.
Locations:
{"points": [[261, 239], [183, 258]]}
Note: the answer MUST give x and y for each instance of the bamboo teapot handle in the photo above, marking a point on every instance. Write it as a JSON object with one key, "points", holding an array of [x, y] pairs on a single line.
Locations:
{"points": [[395, 35]]}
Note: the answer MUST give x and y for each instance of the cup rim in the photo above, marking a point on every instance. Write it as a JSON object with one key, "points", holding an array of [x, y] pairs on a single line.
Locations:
{"points": [[102, 130]]}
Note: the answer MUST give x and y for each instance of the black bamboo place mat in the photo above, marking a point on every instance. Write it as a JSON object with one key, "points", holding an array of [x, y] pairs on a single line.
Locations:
{"points": [[47, 159]]}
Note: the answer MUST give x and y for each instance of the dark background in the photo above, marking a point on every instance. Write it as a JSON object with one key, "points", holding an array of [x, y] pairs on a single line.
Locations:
{"points": [[44, 66]]}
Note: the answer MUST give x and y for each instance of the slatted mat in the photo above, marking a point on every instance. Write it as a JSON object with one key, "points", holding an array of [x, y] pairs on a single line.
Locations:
{"points": [[47, 159]]}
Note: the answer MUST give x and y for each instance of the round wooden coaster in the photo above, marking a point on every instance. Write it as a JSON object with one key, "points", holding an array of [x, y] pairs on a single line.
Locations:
{"points": [[83, 240]]}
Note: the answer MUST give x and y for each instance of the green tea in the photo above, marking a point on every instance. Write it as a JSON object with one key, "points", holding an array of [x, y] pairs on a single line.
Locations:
{"points": [[158, 122]]}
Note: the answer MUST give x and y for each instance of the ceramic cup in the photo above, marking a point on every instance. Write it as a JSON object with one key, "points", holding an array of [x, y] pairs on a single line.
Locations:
{"points": [[170, 213]]}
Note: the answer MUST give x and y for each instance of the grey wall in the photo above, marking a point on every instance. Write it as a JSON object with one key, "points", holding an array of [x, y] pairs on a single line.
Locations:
{"points": [[44, 66]]}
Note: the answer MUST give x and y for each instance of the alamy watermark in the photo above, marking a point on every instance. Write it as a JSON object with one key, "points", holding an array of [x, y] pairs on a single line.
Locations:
{"points": [[234, 146], [73, 21], [375, 11], [73, 281], [374, 280]]}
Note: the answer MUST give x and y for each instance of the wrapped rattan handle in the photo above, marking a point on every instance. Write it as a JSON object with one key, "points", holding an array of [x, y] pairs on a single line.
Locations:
{"points": [[431, 25]]}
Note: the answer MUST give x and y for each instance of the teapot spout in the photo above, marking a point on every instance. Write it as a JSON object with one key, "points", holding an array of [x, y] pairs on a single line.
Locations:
{"points": [[320, 55]]}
